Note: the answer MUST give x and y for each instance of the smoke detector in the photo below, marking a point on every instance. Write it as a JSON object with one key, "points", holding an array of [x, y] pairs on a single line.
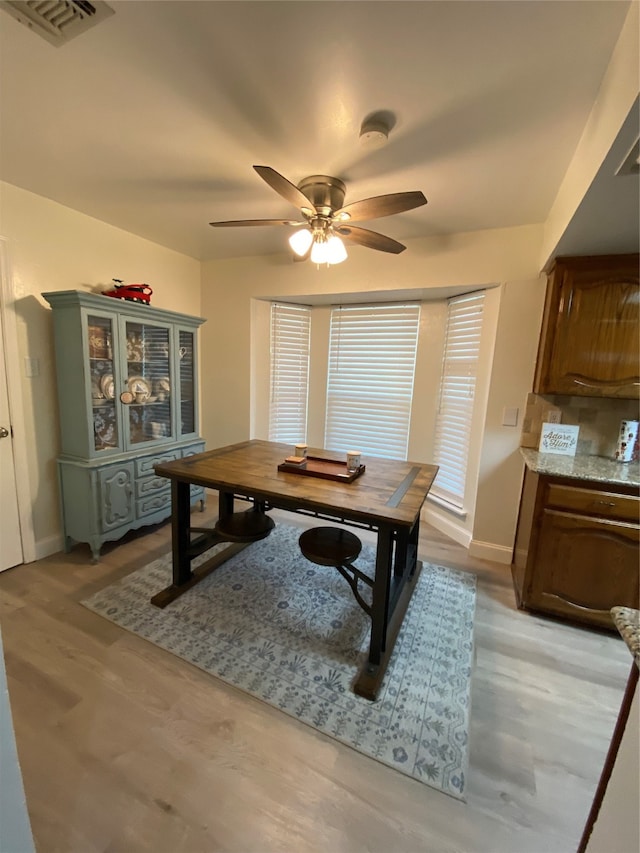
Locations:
{"points": [[57, 21], [374, 134]]}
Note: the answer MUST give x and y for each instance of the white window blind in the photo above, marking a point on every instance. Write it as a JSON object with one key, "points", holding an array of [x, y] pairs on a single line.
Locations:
{"points": [[290, 338], [372, 356], [457, 393]]}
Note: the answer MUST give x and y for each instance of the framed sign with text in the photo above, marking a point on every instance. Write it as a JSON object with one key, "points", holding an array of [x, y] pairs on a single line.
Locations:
{"points": [[559, 438]]}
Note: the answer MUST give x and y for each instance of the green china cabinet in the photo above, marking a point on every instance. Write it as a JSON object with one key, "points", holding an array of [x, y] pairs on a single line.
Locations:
{"points": [[128, 400]]}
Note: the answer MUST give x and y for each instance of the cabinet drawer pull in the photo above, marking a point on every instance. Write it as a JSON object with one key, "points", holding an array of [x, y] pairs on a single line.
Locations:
{"points": [[604, 503]]}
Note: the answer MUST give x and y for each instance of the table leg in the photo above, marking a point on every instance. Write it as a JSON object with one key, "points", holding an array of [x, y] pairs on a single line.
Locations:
{"points": [[181, 546], [180, 522], [411, 553], [397, 571], [369, 679], [380, 603], [225, 504]]}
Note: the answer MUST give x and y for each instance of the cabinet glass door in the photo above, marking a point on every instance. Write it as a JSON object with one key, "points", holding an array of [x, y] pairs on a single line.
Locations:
{"points": [[187, 424], [103, 396], [148, 382]]}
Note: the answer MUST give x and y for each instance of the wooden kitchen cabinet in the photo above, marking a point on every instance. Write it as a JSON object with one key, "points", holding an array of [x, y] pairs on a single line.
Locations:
{"points": [[577, 548], [128, 400], [589, 344]]}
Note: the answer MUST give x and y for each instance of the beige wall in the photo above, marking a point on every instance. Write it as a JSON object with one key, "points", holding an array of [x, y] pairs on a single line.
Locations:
{"points": [[51, 247], [618, 93], [500, 470], [505, 260]]}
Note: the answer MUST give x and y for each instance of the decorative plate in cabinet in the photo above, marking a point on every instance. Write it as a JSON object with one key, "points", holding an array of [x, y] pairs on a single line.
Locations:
{"points": [[139, 385], [107, 386]]}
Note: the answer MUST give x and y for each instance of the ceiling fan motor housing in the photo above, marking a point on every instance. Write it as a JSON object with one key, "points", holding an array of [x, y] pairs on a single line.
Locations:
{"points": [[324, 192]]}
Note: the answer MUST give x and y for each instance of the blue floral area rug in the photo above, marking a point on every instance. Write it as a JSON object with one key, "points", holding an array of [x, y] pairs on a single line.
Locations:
{"points": [[290, 633]]}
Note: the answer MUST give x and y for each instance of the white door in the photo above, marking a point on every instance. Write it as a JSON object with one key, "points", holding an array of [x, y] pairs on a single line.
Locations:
{"points": [[10, 539]]}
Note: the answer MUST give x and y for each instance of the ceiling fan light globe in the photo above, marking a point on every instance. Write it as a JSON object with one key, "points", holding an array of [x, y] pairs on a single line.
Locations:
{"points": [[300, 241], [336, 252], [319, 252]]}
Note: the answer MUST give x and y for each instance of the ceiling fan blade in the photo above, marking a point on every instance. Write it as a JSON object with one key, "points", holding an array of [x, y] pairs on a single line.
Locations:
{"points": [[243, 222], [380, 205], [285, 188], [370, 239]]}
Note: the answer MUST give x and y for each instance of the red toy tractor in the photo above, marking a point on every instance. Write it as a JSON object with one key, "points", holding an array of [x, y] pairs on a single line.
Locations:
{"points": [[130, 292]]}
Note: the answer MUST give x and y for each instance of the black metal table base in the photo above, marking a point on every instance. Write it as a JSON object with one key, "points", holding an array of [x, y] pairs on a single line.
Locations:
{"points": [[396, 573], [166, 596], [368, 681]]}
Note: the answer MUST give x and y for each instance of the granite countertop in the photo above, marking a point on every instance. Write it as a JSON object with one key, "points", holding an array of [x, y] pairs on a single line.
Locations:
{"points": [[580, 467], [627, 621]]}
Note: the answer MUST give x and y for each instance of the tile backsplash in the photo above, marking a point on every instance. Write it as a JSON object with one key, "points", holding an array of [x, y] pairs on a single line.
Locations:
{"points": [[598, 418]]}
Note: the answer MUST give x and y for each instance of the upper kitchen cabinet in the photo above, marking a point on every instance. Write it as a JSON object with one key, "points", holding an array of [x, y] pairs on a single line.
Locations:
{"points": [[589, 344]]}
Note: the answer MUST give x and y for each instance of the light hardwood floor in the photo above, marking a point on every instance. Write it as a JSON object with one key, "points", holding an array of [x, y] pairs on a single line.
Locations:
{"points": [[125, 748]]}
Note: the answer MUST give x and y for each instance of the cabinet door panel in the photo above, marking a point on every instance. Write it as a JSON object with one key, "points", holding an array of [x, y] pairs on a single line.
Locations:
{"points": [[589, 343], [187, 416], [597, 336], [116, 496], [102, 371], [149, 380], [584, 566]]}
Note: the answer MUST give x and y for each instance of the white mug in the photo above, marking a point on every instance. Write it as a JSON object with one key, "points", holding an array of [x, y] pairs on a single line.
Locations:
{"points": [[353, 460]]}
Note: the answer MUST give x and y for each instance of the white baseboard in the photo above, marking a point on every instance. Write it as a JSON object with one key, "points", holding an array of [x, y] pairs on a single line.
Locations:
{"points": [[50, 545], [448, 526], [454, 530], [490, 551]]}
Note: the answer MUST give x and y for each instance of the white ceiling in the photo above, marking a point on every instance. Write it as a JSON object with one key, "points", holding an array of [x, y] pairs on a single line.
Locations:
{"points": [[152, 120]]}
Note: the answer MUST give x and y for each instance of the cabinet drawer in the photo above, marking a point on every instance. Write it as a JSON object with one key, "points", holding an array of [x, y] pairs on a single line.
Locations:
{"points": [[151, 485], [145, 465], [161, 500], [601, 503], [153, 503], [192, 449]]}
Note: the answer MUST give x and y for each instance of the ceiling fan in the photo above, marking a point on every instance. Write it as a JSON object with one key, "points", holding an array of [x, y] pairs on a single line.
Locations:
{"points": [[327, 220]]}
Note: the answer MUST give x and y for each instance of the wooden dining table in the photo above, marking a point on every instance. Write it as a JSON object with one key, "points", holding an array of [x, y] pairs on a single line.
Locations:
{"points": [[386, 498]]}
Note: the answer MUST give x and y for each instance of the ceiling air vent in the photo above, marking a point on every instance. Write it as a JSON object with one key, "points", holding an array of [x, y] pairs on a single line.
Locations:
{"points": [[57, 21]]}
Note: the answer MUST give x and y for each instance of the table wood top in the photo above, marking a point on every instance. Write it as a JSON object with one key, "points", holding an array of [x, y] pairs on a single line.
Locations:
{"points": [[389, 490]]}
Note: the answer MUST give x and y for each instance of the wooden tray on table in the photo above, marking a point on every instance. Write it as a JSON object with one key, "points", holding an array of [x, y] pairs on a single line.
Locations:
{"points": [[327, 469]]}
